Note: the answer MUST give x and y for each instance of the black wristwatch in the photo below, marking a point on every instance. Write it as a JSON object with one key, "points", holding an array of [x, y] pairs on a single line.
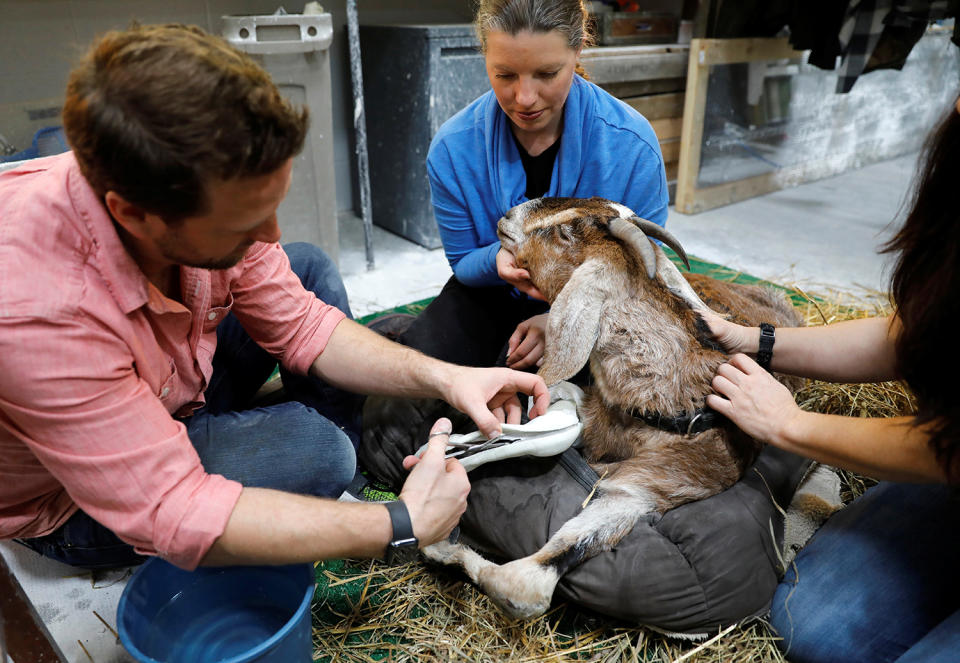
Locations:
{"points": [[765, 349], [403, 546]]}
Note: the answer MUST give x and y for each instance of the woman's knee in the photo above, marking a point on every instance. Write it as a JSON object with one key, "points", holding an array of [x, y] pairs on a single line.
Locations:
{"points": [[873, 578], [793, 618], [318, 273]]}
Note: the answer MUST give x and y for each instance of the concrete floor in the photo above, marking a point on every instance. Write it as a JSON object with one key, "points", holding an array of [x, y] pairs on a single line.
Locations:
{"points": [[822, 235]]}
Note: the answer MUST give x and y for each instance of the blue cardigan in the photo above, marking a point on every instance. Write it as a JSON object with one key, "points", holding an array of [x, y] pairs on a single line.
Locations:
{"points": [[607, 149]]}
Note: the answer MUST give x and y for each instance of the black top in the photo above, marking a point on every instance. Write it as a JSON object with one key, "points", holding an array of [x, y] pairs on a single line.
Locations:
{"points": [[539, 169]]}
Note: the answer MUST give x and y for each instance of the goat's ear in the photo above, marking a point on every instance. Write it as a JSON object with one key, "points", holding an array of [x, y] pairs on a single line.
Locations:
{"points": [[574, 321]]}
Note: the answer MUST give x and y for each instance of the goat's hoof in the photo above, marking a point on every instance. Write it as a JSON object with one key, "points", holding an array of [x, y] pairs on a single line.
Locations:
{"points": [[521, 589], [441, 552]]}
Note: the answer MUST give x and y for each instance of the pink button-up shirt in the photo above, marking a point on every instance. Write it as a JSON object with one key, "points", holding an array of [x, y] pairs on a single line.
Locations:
{"points": [[95, 361]]}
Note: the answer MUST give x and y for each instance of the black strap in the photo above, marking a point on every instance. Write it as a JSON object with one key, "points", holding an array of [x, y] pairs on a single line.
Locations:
{"points": [[400, 520], [765, 348], [577, 467], [686, 423]]}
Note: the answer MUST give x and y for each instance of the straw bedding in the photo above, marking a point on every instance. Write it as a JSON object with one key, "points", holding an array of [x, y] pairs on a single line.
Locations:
{"points": [[367, 611]]}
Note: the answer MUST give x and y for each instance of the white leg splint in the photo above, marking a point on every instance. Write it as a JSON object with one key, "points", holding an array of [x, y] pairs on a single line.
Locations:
{"points": [[548, 435]]}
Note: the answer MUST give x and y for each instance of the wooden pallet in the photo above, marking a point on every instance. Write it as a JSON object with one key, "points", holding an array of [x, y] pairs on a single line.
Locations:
{"points": [[705, 53]]}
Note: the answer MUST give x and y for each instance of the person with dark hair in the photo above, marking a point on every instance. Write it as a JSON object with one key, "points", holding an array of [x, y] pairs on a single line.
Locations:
{"points": [[877, 582], [543, 130], [144, 299]]}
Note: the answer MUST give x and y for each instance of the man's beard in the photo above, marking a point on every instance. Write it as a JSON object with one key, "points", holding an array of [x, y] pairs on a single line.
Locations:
{"points": [[170, 248]]}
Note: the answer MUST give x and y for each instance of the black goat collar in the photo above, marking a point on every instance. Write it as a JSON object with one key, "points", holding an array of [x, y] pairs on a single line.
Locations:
{"points": [[686, 423]]}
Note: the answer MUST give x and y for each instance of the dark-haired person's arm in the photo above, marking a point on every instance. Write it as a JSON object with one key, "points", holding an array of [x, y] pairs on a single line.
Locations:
{"points": [[851, 351], [890, 448]]}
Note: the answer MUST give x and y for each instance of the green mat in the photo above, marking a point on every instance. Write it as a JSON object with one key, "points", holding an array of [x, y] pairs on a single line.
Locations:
{"points": [[413, 308], [722, 273]]}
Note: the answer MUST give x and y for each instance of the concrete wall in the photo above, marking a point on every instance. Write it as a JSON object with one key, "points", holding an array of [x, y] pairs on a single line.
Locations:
{"points": [[39, 41]]}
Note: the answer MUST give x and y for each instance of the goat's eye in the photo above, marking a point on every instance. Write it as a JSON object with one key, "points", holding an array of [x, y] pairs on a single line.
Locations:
{"points": [[564, 234]]}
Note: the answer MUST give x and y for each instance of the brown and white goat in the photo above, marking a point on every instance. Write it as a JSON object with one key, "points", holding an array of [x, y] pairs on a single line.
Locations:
{"points": [[618, 302]]}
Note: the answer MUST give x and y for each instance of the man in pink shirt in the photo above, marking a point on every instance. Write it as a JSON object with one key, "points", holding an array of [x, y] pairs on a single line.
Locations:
{"points": [[143, 299]]}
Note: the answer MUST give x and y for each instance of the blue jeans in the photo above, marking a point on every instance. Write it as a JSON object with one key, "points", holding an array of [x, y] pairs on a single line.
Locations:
{"points": [[878, 583], [305, 445]]}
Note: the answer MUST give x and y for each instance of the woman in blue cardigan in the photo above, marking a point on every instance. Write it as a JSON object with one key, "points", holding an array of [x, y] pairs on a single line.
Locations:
{"points": [[543, 130]]}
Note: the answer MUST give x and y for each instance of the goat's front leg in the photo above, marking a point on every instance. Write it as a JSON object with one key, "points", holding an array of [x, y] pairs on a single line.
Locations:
{"points": [[457, 554], [524, 588]]}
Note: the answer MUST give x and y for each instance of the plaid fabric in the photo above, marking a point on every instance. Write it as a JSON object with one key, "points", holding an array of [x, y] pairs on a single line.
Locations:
{"points": [[858, 37], [872, 27]]}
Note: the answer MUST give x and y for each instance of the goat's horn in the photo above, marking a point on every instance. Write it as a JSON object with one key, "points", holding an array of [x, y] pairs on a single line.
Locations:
{"points": [[671, 277], [634, 237], [650, 229]]}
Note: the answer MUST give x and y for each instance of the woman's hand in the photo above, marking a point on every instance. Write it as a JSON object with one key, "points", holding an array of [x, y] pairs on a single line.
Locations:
{"points": [[527, 343], [515, 276], [752, 399], [731, 336]]}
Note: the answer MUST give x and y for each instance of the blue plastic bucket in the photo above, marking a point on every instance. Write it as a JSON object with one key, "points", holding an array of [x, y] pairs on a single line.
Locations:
{"points": [[236, 614], [46, 142]]}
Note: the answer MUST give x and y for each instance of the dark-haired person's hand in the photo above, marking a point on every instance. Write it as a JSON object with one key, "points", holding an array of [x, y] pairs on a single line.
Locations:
{"points": [[754, 400], [516, 276], [731, 336]]}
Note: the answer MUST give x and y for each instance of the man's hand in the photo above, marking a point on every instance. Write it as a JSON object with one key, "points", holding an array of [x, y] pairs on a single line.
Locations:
{"points": [[762, 407], [357, 359], [436, 490], [527, 343], [489, 395], [515, 276]]}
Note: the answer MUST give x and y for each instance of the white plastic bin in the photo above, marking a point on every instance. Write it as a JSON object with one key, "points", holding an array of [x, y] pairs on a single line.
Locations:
{"points": [[294, 49]]}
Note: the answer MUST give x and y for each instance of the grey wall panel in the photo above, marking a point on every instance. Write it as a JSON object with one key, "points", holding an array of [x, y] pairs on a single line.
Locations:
{"points": [[415, 78]]}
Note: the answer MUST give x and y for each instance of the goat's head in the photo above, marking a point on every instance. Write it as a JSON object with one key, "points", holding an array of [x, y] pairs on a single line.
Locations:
{"points": [[580, 252]]}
